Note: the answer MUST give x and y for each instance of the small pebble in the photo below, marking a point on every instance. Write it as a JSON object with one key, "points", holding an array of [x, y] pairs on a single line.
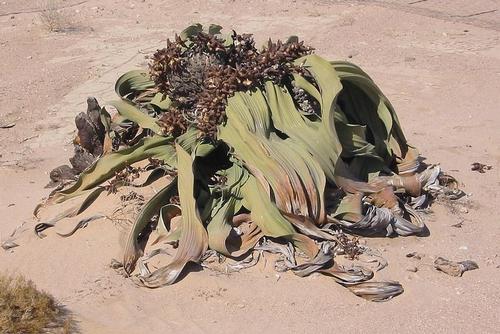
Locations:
{"points": [[352, 54], [463, 248], [415, 255], [413, 269]]}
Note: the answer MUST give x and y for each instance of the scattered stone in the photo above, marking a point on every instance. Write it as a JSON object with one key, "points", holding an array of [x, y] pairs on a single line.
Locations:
{"points": [[413, 269], [115, 264], [352, 54], [415, 255], [60, 174], [458, 225], [7, 126], [9, 244], [463, 209], [479, 167], [118, 268], [463, 248], [28, 138], [453, 268]]}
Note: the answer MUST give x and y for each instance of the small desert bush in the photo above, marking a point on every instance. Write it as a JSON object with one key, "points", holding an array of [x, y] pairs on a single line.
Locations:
{"points": [[53, 19], [25, 309]]}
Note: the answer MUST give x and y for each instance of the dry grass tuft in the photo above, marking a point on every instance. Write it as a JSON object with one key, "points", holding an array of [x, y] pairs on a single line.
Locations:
{"points": [[53, 19], [24, 309]]}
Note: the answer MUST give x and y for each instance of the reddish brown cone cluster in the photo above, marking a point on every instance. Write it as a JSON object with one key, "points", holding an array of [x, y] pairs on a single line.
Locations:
{"points": [[199, 75]]}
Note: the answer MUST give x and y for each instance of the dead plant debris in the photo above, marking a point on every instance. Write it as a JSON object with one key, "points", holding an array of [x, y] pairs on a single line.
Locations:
{"points": [[479, 167], [415, 255], [453, 268]]}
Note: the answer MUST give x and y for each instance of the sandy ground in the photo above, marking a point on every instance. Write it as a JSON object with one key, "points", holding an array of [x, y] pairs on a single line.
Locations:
{"points": [[437, 60]]}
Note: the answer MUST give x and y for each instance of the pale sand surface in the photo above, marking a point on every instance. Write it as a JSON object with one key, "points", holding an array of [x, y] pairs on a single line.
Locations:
{"points": [[437, 61]]}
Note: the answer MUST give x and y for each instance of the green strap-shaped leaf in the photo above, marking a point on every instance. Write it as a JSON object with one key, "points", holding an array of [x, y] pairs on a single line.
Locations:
{"points": [[190, 142], [270, 220], [79, 207], [193, 241], [312, 136], [264, 213], [222, 237], [167, 213], [329, 87], [295, 179], [190, 31], [131, 112], [133, 83], [214, 29], [385, 118], [161, 102], [132, 250], [106, 167]]}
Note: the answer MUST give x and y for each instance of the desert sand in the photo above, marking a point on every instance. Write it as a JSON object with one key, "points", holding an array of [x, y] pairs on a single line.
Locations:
{"points": [[437, 61]]}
